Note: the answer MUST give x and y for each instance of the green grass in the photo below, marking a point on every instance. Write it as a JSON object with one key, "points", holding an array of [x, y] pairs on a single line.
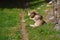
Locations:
{"points": [[9, 21], [9, 24]]}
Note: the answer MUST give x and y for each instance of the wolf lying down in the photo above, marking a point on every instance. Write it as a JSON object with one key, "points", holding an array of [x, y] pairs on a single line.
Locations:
{"points": [[38, 19]]}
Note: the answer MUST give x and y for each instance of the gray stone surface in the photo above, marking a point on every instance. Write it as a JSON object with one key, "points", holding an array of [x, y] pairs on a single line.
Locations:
{"points": [[57, 27]]}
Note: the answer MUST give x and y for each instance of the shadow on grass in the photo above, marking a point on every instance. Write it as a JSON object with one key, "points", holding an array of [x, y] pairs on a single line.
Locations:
{"points": [[13, 3], [34, 5], [18, 3]]}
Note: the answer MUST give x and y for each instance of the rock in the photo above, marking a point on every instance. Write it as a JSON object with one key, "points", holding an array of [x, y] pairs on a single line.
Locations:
{"points": [[57, 27], [59, 22]]}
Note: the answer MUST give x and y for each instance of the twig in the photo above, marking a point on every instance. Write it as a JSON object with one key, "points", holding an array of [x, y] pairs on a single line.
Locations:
{"points": [[23, 30]]}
